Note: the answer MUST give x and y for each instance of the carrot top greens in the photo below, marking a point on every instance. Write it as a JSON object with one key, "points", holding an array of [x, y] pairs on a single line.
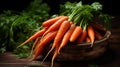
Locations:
{"points": [[83, 14]]}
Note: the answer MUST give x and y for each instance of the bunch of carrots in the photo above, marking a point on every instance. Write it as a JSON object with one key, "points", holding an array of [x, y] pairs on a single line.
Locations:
{"points": [[61, 30]]}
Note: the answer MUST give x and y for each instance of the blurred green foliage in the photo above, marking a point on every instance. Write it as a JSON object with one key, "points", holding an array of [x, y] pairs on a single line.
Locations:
{"points": [[16, 27]]}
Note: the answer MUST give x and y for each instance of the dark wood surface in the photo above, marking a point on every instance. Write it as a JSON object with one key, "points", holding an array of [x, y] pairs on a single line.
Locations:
{"points": [[111, 58]]}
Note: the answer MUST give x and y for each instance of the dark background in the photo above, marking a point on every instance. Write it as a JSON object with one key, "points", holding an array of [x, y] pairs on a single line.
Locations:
{"points": [[109, 6]]}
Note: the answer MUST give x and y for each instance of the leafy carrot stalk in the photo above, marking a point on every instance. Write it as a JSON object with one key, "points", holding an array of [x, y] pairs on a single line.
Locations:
{"points": [[98, 26], [46, 39], [66, 37], [62, 30], [77, 31], [88, 39], [34, 36], [98, 35], [83, 35], [91, 34], [49, 22], [56, 25]]}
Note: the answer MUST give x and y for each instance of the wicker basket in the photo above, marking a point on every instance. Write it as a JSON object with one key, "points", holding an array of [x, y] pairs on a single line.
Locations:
{"points": [[83, 51]]}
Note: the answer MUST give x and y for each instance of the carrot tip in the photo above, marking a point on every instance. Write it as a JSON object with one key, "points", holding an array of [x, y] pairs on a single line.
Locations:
{"points": [[20, 45], [33, 58], [59, 51], [91, 45]]}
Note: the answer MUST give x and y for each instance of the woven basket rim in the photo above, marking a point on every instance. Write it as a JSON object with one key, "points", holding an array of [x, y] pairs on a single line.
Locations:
{"points": [[106, 36]]}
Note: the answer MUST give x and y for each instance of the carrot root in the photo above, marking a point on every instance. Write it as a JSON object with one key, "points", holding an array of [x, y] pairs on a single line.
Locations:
{"points": [[91, 34], [66, 37], [76, 33], [34, 36], [82, 36], [38, 50], [54, 55]]}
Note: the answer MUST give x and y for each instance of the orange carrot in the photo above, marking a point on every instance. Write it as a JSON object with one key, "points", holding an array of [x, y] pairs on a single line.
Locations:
{"points": [[56, 25], [37, 34], [34, 44], [82, 36], [88, 39], [36, 41], [62, 30], [71, 22], [77, 31], [66, 37], [98, 35], [91, 34], [51, 21], [54, 55], [46, 39]]}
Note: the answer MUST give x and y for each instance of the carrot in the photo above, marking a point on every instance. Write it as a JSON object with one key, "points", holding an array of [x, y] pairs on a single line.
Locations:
{"points": [[62, 30], [34, 44], [37, 34], [98, 35], [51, 21], [88, 39], [55, 54], [71, 22], [98, 26], [56, 25], [66, 37], [83, 35], [46, 39], [91, 33], [77, 31]]}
